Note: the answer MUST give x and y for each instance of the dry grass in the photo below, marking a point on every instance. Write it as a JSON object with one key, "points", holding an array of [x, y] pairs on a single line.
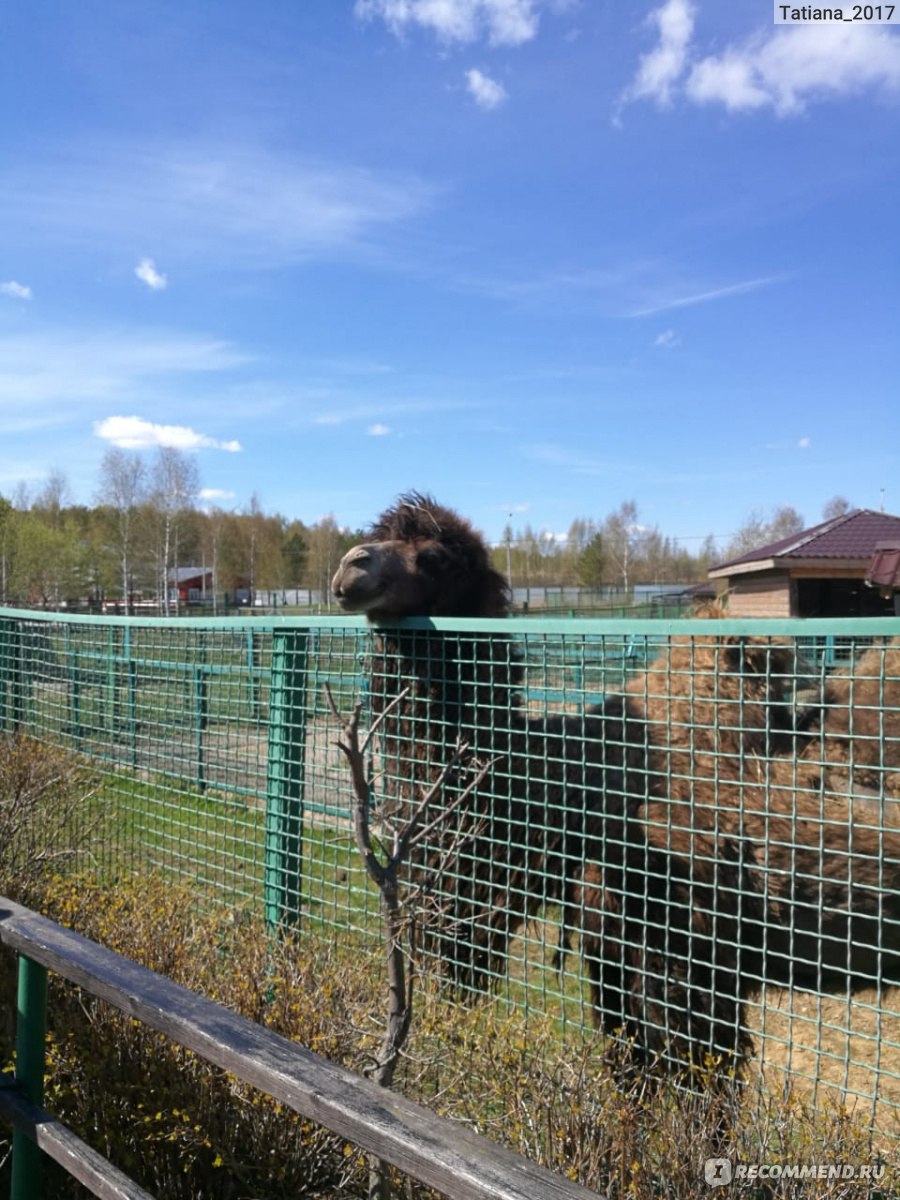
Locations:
{"points": [[833, 1049]]}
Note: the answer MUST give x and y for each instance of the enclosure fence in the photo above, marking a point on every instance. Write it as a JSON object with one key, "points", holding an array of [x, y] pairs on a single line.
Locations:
{"points": [[684, 831]]}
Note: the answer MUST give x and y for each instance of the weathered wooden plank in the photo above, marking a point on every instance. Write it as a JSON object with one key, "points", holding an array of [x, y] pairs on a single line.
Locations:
{"points": [[61, 1144], [440, 1153]]}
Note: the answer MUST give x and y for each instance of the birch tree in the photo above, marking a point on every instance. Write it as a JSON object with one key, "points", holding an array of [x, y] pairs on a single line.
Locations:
{"points": [[122, 486]]}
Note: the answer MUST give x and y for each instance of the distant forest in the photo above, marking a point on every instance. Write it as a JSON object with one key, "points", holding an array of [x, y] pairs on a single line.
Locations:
{"points": [[148, 518]]}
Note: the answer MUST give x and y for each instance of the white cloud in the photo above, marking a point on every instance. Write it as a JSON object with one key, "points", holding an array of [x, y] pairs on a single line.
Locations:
{"points": [[213, 494], [486, 92], [18, 291], [134, 433], [503, 22], [805, 443], [663, 66], [667, 340], [783, 69], [378, 430], [790, 67], [147, 273]]}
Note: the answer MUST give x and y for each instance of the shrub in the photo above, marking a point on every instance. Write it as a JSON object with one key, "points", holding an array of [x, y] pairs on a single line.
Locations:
{"points": [[177, 1125], [48, 811]]}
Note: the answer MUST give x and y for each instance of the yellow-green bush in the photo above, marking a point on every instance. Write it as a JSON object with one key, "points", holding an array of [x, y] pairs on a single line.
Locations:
{"points": [[177, 1125], [47, 811], [187, 1130]]}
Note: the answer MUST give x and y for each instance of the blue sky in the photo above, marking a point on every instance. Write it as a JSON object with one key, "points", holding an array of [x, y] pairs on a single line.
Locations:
{"points": [[535, 256]]}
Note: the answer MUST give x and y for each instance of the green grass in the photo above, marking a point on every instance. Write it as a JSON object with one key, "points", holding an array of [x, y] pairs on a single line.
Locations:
{"points": [[219, 843]]}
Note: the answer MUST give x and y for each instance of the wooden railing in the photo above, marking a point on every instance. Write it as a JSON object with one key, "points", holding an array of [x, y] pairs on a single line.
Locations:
{"points": [[438, 1152]]}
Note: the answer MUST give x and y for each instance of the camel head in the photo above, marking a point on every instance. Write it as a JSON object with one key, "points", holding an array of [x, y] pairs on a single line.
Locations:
{"points": [[420, 560]]}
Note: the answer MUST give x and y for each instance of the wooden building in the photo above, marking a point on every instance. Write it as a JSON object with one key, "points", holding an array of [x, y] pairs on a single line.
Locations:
{"points": [[819, 572]]}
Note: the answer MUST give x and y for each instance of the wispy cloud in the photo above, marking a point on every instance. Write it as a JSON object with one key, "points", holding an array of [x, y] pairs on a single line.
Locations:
{"points": [[378, 430], [555, 455], [60, 366], [782, 69], [706, 297], [486, 92], [501, 22], [578, 285], [147, 273], [134, 433], [636, 288], [17, 291], [667, 340], [383, 408], [242, 205]]}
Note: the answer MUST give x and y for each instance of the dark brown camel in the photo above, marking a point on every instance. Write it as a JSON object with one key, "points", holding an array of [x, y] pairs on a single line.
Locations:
{"points": [[689, 826]]}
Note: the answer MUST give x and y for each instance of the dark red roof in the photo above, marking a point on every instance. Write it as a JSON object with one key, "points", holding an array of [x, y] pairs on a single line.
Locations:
{"points": [[853, 535]]}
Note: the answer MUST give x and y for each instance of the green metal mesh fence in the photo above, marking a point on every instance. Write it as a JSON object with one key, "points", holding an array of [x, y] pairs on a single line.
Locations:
{"points": [[688, 832]]}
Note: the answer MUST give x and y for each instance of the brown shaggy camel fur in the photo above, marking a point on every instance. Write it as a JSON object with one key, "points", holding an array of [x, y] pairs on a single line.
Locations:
{"points": [[703, 837]]}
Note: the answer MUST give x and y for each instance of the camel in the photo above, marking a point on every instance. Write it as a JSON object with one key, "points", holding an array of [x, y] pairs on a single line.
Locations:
{"points": [[704, 835]]}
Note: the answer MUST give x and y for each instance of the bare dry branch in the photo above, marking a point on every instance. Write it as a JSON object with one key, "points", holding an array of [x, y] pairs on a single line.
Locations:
{"points": [[440, 819]]}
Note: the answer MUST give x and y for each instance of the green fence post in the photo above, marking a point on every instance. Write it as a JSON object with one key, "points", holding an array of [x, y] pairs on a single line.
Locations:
{"points": [[285, 777], [253, 665], [8, 662], [14, 699], [31, 1031], [201, 711], [112, 652], [131, 694], [74, 686]]}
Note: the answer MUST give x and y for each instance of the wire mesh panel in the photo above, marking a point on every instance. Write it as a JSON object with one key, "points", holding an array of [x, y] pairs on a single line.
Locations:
{"points": [[685, 833]]}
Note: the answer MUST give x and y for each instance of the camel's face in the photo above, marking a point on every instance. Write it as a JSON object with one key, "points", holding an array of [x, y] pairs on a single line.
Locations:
{"points": [[387, 580]]}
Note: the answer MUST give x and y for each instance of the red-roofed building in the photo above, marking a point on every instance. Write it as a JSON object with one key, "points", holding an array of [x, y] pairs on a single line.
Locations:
{"points": [[819, 572]]}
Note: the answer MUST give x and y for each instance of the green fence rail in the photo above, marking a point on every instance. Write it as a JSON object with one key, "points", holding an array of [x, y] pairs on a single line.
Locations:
{"points": [[709, 859]]}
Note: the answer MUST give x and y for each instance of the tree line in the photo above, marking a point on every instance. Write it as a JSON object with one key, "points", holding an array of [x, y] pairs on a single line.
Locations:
{"points": [[620, 551], [146, 522]]}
